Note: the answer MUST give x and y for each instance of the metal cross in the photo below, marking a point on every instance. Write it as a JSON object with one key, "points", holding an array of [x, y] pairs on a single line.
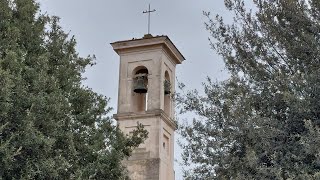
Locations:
{"points": [[149, 12]]}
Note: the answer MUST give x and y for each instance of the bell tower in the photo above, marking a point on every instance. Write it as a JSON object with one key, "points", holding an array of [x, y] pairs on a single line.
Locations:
{"points": [[146, 85]]}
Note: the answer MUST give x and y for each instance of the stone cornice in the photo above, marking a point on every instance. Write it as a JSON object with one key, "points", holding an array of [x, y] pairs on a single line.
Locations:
{"points": [[143, 43], [148, 114]]}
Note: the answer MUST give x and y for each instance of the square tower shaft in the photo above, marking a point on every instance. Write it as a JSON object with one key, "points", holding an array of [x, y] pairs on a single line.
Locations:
{"points": [[146, 85]]}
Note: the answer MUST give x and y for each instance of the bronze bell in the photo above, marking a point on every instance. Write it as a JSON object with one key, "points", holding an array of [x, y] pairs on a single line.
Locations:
{"points": [[139, 86], [167, 87]]}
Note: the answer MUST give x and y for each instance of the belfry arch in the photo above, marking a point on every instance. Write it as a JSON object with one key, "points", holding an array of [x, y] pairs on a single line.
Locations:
{"points": [[140, 89], [167, 93]]}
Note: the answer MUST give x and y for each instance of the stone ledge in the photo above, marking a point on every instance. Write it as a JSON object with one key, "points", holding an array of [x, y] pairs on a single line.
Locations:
{"points": [[147, 114]]}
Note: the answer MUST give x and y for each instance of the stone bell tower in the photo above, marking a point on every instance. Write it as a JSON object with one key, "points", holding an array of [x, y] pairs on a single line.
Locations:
{"points": [[146, 83]]}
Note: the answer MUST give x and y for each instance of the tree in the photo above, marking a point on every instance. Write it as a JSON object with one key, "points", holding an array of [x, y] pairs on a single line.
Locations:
{"points": [[263, 122], [51, 126]]}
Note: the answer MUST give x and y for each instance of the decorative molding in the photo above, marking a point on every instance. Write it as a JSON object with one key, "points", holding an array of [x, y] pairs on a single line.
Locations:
{"points": [[147, 114], [164, 42]]}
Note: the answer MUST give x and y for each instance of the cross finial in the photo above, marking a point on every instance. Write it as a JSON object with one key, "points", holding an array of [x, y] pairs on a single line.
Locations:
{"points": [[149, 12]]}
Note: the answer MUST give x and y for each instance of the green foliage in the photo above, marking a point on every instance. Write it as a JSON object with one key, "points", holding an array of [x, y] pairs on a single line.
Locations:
{"points": [[264, 121], [51, 127]]}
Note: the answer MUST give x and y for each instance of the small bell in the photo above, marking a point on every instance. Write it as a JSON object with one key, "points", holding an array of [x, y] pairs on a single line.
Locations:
{"points": [[139, 86], [167, 87]]}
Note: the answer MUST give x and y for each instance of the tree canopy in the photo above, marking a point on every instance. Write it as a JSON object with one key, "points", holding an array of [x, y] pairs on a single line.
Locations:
{"points": [[51, 126], [264, 121]]}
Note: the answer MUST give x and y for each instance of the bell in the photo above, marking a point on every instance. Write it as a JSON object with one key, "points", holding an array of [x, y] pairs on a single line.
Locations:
{"points": [[139, 86], [167, 87]]}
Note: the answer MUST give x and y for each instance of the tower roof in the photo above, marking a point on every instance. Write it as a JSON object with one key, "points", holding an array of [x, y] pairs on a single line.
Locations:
{"points": [[149, 41]]}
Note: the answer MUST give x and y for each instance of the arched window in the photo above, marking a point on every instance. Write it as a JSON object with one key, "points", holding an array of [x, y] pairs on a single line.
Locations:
{"points": [[167, 93], [140, 89]]}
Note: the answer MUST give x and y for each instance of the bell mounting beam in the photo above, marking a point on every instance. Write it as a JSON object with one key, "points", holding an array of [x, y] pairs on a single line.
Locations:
{"points": [[149, 11]]}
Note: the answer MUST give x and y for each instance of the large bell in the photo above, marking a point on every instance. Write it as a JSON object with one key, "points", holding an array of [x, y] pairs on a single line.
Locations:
{"points": [[139, 86], [167, 87]]}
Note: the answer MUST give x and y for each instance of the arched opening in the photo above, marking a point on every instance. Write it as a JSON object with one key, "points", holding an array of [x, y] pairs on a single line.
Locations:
{"points": [[140, 89], [167, 93], [140, 70]]}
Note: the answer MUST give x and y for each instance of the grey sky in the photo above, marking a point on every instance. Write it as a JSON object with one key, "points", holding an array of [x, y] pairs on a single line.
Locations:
{"points": [[96, 23]]}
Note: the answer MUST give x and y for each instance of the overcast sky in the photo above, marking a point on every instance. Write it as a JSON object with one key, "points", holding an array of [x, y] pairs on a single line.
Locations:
{"points": [[97, 23]]}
